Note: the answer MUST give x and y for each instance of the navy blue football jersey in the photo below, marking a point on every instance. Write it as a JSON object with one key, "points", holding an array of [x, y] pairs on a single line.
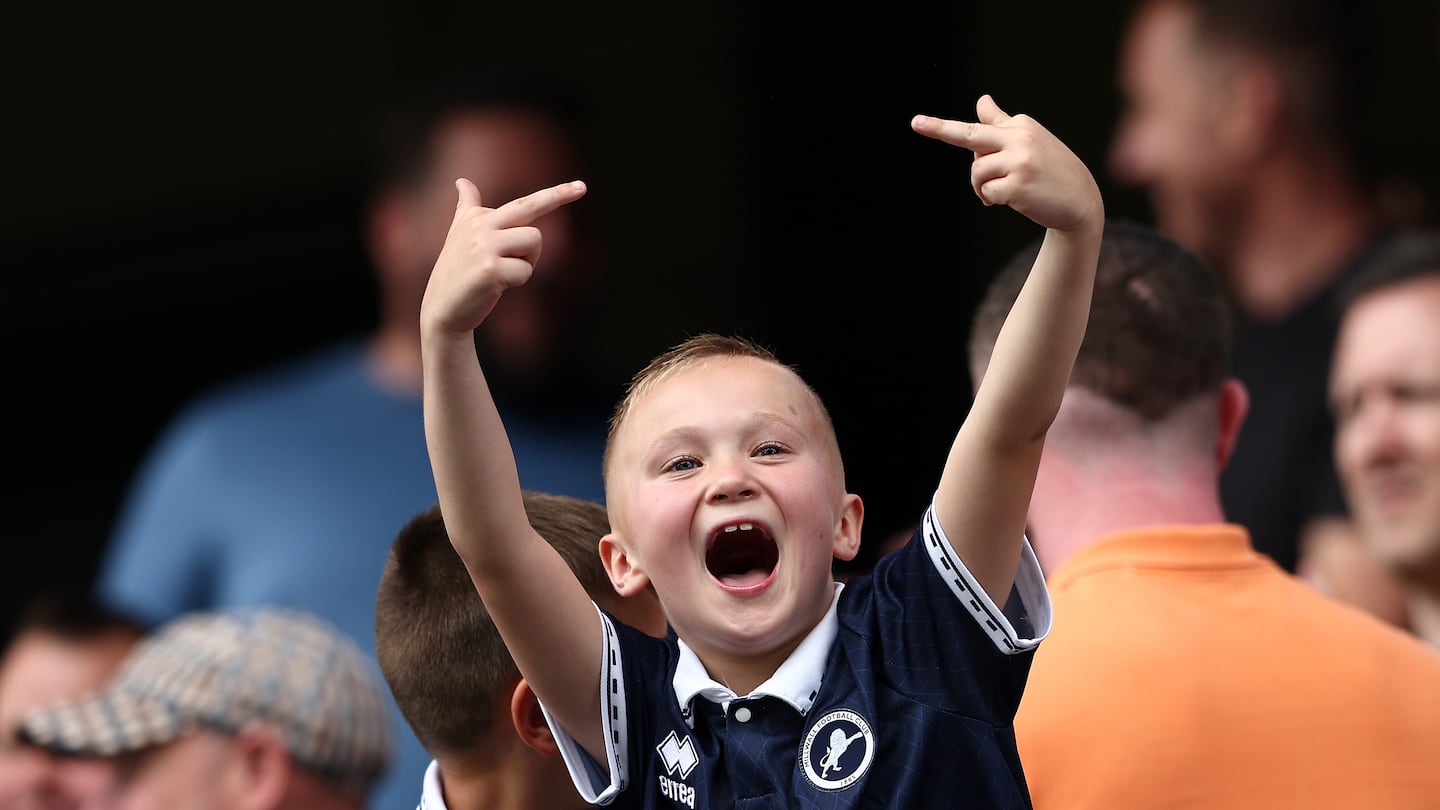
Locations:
{"points": [[902, 697]]}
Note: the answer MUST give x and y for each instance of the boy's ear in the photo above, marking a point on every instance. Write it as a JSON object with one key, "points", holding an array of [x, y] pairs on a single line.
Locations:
{"points": [[529, 720], [847, 537], [625, 575]]}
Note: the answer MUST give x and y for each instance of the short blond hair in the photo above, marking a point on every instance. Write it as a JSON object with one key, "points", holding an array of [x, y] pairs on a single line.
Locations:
{"points": [[691, 352]]}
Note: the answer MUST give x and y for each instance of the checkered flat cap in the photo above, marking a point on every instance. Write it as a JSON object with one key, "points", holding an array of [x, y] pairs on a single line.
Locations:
{"points": [[223, 671]]}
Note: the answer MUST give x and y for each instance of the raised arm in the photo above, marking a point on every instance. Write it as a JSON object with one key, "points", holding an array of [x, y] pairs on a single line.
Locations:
{"points": [[985, 488], [541, 610]]}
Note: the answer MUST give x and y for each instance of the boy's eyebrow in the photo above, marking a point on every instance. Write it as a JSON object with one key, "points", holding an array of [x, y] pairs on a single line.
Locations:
{"points": [[759, 419], [676, 434], [769, 418]]}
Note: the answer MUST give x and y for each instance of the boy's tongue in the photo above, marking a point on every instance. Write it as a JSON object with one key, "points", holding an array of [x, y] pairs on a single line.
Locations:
{"points": [[754, 576], [743, 558]]}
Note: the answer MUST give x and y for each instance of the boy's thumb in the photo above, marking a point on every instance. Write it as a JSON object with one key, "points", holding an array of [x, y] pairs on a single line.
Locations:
{"points": [[989, 112], [469, 195]]}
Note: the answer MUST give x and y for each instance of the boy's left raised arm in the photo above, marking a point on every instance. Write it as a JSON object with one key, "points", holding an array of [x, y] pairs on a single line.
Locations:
{"points": [[543, 613], [985, 488]]}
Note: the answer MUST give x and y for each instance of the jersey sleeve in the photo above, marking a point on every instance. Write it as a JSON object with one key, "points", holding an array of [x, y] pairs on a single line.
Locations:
{"points": [[597, 782], [1024, 620], [940, 638]]}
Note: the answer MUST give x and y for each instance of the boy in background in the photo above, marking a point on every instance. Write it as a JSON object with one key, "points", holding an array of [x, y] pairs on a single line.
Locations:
{"points": [[454, 680]]}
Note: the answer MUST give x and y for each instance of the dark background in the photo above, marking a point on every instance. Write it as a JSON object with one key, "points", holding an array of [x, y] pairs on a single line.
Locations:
{"points": [[182, 202]]}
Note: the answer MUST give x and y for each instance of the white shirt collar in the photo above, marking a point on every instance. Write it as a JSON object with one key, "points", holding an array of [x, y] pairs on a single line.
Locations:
{"points": [[431, 797], [796, 681]]}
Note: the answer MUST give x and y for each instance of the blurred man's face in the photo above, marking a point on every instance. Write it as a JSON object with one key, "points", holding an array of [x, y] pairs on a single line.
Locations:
{"points": [[192, 773], [38, 671], [1168, 139], [508, 155], [1385, 391]]}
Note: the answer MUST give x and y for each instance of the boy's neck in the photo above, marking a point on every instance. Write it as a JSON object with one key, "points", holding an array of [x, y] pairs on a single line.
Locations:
{"points": [[517, 779], [743, 673]]}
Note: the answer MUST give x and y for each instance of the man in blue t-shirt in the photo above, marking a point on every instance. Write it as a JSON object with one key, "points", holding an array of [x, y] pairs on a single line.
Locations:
{"points": [[287, 487]]}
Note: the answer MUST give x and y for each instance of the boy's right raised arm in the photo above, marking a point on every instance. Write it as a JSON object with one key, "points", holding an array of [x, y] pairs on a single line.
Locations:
{"points": [[541, 610], [985, 488]]}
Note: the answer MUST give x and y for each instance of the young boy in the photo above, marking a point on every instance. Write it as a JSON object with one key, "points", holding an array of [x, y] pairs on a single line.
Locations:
{"points": [[454, 680], [726, 496]]}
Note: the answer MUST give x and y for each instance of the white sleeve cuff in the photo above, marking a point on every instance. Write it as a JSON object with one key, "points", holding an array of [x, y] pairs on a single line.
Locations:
{"points": [[1029, 584], [595, 786]]}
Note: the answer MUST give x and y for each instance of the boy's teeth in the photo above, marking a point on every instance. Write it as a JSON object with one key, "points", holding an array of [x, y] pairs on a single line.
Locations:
{"points": [[746, 526]]}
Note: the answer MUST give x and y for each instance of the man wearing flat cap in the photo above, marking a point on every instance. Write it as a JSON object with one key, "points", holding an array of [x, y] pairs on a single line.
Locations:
{"points": [[261, 709]]}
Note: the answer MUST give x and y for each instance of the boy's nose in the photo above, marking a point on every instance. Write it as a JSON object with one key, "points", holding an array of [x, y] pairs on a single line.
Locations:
{"points": [[727, 493], [731, 483]]}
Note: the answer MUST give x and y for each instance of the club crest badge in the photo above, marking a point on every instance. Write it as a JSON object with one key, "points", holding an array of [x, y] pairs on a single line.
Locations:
{"points": [[837, 751]]}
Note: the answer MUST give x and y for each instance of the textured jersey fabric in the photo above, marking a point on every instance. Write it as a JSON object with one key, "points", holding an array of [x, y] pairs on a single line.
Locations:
{"points": [[902, 697], [1186, 670]]}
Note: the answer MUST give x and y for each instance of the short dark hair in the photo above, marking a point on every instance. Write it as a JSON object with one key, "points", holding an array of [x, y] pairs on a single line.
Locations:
{"points": [[1159, 328], [1401, 257], [1320, 49], [72, 615], [436, 643], [403, 152]]}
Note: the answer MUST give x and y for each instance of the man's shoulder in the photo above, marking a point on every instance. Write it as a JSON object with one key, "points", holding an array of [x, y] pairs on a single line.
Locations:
{"points": [[303, 375], [297, 385], [1360, 638]]}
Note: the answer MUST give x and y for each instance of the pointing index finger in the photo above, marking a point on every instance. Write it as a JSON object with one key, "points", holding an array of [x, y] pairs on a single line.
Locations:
{"points": [[525, 210], [965, 134]]}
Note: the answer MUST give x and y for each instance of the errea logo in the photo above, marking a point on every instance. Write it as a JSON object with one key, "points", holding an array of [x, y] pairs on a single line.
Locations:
{"points": [[837, 751], [680, 759], [678, 755]]}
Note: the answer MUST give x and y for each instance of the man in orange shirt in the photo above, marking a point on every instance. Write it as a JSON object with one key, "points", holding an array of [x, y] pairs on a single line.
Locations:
{"points": [[1183, 668]]}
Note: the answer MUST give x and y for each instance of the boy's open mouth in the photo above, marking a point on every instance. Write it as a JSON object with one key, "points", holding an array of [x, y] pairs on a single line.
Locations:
{"points": [[741, 555]]}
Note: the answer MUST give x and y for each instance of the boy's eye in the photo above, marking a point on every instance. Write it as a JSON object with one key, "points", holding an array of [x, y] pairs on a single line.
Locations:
{"points": [[680, 464], [769, 449]]}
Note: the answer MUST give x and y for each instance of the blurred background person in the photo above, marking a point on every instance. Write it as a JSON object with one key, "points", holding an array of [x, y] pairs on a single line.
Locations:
{"points": [[1385, 393], [64, 646], [1183, 668], [286, 487], [253, 709], [453, 677], [1242, 122]]}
